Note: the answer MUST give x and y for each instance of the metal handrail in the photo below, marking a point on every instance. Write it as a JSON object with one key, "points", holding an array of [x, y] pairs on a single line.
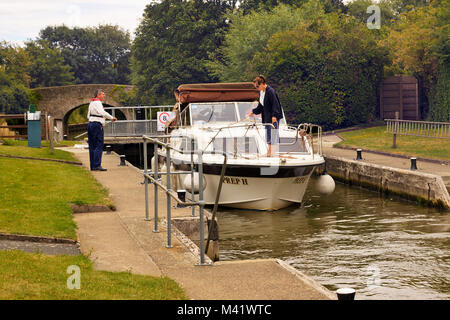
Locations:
{"points": [[153, 178], [429, 129]]}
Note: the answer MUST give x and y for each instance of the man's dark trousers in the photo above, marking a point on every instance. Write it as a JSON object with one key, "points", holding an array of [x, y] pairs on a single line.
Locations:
{"points": [[95, 139]]}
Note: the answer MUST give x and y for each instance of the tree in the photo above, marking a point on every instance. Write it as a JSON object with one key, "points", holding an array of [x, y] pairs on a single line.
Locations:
{"points": [[246, 6], [419, 44], [47, 67], [15, 62], [95, 54], [401, 6], [172, 45], [326, 71], [14, 79], [249, 34]]}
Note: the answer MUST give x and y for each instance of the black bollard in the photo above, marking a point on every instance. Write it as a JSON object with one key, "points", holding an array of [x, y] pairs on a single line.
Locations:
{"points": [[122, 160], [346, 294], [358, 154], [413, 163], [182, 196], [65, 137], [108, 149]]}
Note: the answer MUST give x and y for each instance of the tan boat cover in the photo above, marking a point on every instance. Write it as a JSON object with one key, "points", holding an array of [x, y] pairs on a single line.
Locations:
{"points": [[216, 92]]}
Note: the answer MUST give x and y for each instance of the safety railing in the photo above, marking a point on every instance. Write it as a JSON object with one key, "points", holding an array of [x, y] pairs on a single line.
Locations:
{"points": [[306, 131], [141, 120], [418, 128], [310, 131], [154, 178]]}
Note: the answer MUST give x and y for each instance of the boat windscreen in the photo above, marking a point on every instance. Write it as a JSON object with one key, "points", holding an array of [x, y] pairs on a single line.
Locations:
{"points": [[244, 109], [213, 112]]}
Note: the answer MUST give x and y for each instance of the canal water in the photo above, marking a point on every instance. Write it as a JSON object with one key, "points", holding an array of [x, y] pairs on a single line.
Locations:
{"points": [[383, 247]]}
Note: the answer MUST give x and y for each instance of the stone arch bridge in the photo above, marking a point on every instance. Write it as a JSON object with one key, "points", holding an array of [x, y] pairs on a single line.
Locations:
{"points": [[61, 101]]}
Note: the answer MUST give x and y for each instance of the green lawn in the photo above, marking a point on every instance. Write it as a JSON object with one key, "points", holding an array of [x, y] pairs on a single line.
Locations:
{"points": [[377, 139], [36, 276], [20, 148], [35, 196], [34, 200]]}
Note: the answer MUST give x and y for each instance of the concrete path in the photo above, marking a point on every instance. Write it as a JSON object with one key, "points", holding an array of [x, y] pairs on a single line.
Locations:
{"points": [[124, 240]]}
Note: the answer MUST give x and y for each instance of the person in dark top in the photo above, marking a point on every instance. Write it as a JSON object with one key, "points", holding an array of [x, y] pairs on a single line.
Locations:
{"points": [[269, 107]]}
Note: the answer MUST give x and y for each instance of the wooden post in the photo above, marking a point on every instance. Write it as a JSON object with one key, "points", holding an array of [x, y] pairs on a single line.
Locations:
{"points": [[51, 134], [46, 126], [394, 143]]}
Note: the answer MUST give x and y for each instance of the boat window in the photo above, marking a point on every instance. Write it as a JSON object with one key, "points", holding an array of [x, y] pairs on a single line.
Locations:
{"points": [[245, 108], [296, 147], [213, 112], [236, 145], [185, 117]]}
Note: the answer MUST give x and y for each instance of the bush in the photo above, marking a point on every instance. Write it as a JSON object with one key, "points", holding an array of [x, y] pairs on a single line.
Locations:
{"points": [[440, 96], [325, 71]]}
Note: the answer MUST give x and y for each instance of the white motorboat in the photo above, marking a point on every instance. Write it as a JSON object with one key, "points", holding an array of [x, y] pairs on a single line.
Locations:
{"points": [[251, 179]]}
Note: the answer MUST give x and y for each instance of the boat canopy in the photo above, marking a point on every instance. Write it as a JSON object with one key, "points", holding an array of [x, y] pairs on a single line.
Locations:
{"points": [[216, 92]]}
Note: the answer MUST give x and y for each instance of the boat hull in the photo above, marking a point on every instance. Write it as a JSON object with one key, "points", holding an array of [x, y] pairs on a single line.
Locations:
{"points": [[256, 193], [251, 187]]}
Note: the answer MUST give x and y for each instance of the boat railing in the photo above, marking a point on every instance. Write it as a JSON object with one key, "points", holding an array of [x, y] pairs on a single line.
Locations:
{"points": [[304, 131], [154, 178], [310, 133]]}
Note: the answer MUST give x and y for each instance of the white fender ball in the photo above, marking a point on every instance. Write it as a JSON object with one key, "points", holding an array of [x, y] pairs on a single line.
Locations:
{"points": [[325, 184], [187, 182]]}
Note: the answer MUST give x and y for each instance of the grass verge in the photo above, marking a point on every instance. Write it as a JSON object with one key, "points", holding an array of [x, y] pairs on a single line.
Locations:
{"points": [[377, 139], [35, 196], [35, 199], [20, 148], [36, 276]]}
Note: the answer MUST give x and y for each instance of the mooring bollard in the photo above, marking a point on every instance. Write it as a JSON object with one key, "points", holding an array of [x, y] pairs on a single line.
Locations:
{"points": [[108, 149], [358, 154], [122, 160], [413, 163], [346, 294]]}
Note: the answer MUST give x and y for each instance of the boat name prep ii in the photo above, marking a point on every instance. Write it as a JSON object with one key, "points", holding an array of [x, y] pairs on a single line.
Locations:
{"points": [[234, 180]]}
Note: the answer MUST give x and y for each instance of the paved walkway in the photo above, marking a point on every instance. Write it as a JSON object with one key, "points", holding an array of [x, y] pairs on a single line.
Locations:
{"points": [[123, 241], [442, 170]]}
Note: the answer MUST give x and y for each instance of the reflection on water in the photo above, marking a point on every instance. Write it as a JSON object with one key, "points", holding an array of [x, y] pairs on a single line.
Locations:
{"points": [[384, 248]]}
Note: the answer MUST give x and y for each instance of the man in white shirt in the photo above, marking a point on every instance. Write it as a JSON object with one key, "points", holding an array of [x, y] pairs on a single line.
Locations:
{"points": [[96, 115]]}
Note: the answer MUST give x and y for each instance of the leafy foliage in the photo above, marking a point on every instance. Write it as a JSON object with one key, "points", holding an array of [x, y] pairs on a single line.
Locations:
{"points": [[96, 54], [419, 46], [326, 71], [47, 67], [249, 34], [440, 96], [172, 44], [14, 79]]}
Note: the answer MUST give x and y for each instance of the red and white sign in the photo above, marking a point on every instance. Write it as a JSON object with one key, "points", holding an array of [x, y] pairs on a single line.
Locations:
{"points": [[163, 117]]}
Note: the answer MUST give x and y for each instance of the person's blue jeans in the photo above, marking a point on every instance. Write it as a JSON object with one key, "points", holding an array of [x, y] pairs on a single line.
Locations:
{"points": [[272, 136], [95, 140]]}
